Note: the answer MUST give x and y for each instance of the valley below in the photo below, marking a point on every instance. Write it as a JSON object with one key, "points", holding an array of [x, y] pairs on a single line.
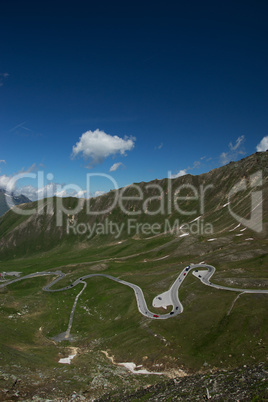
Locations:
{"points": [[140, 315]]}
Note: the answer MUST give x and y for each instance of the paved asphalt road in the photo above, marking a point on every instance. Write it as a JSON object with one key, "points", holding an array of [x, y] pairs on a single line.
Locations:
{"points": [[204, 275]]}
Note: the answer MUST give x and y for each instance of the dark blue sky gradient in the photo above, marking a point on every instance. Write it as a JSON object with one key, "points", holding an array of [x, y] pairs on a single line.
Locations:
{"points": [[189, 75]]}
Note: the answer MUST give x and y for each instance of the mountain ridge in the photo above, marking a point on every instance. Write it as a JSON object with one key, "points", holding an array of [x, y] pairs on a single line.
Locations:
{"points": [[16, 200], [41, 231], [218, 329]]}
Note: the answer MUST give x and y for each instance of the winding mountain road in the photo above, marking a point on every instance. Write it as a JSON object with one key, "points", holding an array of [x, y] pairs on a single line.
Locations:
{"points": [[171, 296]]}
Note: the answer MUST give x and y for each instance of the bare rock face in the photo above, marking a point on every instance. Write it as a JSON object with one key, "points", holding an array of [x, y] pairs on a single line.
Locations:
{"points": [[247, 383]]}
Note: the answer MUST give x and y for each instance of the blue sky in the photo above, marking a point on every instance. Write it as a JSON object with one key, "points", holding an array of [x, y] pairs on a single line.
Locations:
{"points": [[152, 88]]}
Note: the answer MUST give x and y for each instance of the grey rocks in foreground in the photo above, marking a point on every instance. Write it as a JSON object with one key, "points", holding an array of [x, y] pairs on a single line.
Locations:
{"points": [[248, 383]]}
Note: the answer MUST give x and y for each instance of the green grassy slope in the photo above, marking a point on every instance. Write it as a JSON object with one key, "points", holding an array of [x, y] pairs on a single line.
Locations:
{"points": [[213, 331], [24, 235]]}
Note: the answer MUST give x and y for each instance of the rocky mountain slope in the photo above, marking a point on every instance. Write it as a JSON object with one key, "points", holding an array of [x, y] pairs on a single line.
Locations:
{"points": [[218, 329], [51, 225], [248, 383]]}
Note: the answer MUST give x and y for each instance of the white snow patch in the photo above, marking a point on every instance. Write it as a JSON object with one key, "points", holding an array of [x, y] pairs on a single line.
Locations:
{"points": [[130, 366], [196, 219], [231, 230], [211, 239], [67, 360], [184, 234], [242, 230], [250, 238], [239, 234], [133, 368], [225, 205]]}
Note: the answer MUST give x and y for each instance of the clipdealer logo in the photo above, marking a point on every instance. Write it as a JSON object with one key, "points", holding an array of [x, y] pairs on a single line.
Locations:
{"points": [[167, 200]]}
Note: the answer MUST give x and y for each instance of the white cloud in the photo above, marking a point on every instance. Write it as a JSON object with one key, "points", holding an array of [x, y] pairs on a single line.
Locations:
{"points": [[33, 168], [115, 166], [7, 182], [196, 165], [263, 145], [34, 193], [20, 125], [234, 151], [98, 193], [225, 158], [4, 180], [81, 194], [182, 172], [97, 145], [237, 144], [29, 192], [22, 131], [50, 190]]}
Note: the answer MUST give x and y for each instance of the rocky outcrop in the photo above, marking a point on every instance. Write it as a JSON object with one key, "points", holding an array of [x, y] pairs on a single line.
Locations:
{"points": [[248, 383]]}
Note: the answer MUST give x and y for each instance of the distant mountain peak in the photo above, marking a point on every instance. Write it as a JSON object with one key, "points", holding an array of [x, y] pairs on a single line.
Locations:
{"points": [[17, 200]]}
